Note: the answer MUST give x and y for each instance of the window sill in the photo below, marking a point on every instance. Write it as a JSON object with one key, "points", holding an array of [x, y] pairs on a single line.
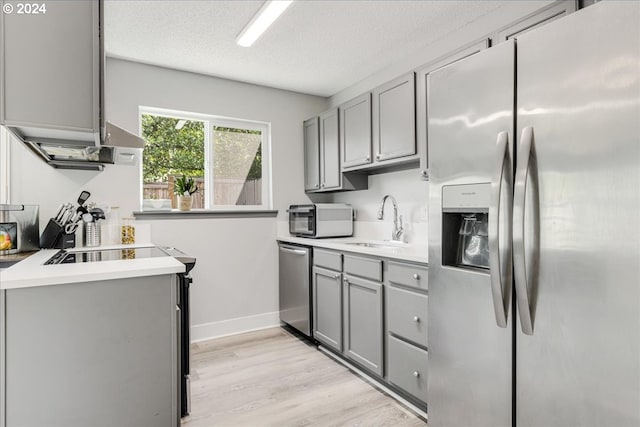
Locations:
{"points": [[205, 213]]}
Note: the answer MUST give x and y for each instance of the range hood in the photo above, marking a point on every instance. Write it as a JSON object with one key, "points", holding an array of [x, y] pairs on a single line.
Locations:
{"points": [[64, 152]]}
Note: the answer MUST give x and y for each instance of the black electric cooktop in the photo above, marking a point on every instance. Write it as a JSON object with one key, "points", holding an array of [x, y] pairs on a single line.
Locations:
{"points": [[65, 257]]}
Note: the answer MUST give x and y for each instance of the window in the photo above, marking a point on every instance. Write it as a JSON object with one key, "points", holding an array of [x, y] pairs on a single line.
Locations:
{"points": [[227, 158]]}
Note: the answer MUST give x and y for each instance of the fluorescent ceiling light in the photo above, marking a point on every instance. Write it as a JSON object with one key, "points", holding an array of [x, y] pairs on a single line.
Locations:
{"points": [[268, 13], [180, 124]]}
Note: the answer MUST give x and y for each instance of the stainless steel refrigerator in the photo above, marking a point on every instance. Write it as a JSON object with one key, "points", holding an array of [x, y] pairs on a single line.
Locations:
{"points": [[534, 156]]}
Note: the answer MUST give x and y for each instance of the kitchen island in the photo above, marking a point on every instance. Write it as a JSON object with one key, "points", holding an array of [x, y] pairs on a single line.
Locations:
{"points": [[90, 343]]}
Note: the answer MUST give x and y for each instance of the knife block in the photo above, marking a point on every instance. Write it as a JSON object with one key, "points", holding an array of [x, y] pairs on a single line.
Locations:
{"points": [[54, 237]]}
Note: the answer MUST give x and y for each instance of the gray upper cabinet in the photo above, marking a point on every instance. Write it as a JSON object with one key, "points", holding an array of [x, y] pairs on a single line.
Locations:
{"points": [[311, 154], [543, 16], [50, 73], [322, 161], [329, 150], [355, 131], [363, 327], [394, 126], [327, 307], [421, 95]]}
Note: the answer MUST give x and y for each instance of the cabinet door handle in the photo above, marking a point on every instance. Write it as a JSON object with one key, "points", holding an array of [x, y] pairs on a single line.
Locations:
{"points": [[416, 276], [416, 319], [416, 374], [368, 159], [336, 276], [322, 185], [377, 156]]}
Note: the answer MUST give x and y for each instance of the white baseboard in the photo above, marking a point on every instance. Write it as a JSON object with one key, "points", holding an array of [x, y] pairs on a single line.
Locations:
{"points": [[223, 328]]}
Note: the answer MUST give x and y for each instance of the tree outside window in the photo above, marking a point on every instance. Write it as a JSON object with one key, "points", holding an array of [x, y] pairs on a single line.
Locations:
{"points": [[178, 145]]}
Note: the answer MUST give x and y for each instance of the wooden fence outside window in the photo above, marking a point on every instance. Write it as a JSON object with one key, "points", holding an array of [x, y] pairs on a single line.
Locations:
{"points": [[226, 192]]}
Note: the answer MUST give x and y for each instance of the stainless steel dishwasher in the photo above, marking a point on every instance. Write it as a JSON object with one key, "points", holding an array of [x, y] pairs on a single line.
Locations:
{"points": [[295, 289]]}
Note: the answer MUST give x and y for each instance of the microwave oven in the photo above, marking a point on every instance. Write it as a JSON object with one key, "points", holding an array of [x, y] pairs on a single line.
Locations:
{"points": [[321, 220]]}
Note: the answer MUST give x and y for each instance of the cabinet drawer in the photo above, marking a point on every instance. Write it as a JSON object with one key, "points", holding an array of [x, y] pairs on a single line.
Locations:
{"points": [[327, 259], [408, 368], [407, 314], [408, 275], [363, 267]]}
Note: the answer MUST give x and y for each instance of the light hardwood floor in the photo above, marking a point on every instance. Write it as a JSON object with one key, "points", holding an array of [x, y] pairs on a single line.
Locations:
{"points": [[271, 378]]}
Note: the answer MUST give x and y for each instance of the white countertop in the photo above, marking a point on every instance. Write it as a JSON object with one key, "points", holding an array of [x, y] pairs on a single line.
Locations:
{"points": [[406, 252], [32, 272]]}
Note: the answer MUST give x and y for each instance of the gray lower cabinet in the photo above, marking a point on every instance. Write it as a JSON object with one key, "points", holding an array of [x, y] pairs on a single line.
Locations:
{"points": [[373, 312], [363, 325], [412, 276], [327, 307], [50, 69], [101, 353], [408, 367], [407, 314], [406, 308], [327, 259]]}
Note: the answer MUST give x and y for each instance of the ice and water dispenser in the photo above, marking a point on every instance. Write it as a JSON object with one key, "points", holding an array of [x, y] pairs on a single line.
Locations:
{"points": [[465, 223]]}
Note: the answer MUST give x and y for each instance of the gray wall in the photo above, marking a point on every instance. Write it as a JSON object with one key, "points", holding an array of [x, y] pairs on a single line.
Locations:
{"points": [[235, 281]]}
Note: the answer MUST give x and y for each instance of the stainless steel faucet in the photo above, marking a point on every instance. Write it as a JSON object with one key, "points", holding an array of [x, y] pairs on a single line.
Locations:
{"points": [[397, 221]]}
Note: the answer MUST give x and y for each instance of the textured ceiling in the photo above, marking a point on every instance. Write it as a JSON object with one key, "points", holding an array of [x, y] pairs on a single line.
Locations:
{"points": [[316, 47]]}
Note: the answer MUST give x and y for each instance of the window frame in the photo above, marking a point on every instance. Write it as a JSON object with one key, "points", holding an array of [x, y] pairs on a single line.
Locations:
{"points": [[210, 121]]}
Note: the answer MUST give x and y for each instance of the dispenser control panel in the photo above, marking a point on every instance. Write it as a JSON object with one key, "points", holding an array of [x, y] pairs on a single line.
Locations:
{"points": [[466, 197]]}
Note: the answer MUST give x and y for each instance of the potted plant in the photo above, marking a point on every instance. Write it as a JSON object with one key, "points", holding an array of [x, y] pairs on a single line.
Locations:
{"points": [[184, 187]]}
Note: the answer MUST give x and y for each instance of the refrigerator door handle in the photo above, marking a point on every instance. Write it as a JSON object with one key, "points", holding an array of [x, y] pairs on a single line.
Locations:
{"points": [[495, 267], [519, 265]]}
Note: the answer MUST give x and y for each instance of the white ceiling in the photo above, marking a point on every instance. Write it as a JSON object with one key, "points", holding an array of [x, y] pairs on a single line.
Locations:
{"points": [[318, 47]]}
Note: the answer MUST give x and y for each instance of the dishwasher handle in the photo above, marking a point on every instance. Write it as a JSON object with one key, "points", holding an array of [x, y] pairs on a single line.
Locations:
{"points": [[293, 251]]}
